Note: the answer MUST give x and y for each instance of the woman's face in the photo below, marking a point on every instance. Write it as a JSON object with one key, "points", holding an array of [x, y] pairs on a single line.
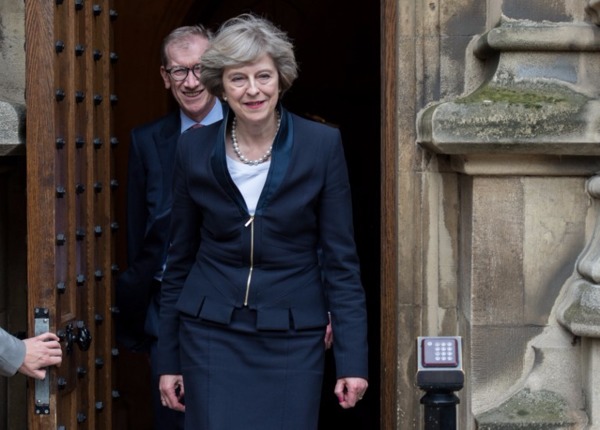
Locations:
{"points": [[252, 90]]}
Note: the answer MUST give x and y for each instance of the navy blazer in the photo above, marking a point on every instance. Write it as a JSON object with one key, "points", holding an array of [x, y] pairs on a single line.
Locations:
{"points": [[149, 186], [221, 258]]}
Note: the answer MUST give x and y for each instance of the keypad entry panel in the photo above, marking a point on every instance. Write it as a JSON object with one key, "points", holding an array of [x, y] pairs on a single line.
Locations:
{"points": [[439, 352]]}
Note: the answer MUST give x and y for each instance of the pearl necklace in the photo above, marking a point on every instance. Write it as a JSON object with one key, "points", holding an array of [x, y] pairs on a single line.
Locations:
{"points": [[238, 152]]}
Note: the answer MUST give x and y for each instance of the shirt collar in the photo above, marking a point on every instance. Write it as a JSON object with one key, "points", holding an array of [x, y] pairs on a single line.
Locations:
{"points": [[215, 114]]}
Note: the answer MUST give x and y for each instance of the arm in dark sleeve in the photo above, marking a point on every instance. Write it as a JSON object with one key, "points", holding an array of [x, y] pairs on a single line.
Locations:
{"points": [[132, 291], [137, 211], [341, 268], [148, 218], [184, 241]]}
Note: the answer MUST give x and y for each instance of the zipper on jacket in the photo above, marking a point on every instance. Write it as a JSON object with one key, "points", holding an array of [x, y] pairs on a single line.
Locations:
{"points": [[251, 224]]}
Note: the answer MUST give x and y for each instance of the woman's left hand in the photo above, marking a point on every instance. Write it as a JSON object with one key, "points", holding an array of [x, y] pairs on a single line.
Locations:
{"points": [[350, 390]]}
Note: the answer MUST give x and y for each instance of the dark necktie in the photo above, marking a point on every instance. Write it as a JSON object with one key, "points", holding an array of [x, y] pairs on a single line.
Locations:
{"points": [[197, 125]]}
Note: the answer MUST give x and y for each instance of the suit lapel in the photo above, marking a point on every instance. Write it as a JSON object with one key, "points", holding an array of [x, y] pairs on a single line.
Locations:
{"points": [[282, 153], [167, 134], [165, 141], [280, 159], [218, 162]]}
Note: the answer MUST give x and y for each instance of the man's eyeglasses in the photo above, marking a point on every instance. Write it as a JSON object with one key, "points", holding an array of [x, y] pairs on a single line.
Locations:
{"points": [[180, 73]]}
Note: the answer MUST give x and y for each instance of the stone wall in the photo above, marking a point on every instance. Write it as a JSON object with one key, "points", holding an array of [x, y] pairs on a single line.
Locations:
{"points": [[12, 76], [12, 51], [515, 151]]}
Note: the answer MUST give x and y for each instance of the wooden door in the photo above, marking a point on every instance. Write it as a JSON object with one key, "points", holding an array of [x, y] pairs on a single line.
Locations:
{"points": [[70, 216]]}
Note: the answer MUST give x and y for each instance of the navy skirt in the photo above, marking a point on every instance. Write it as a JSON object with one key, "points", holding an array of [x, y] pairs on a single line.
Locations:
{"points": [[238, 378]]}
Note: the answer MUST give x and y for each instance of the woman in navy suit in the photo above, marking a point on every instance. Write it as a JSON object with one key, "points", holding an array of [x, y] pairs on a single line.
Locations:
{"points": [[262, 249]]}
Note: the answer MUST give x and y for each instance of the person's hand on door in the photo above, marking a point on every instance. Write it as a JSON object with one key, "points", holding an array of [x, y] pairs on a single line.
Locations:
{"points": [[40, 352]]}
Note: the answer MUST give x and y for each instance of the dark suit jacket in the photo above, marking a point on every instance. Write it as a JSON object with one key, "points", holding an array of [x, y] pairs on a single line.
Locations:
{"points": [[149, 186], [305, 204]]}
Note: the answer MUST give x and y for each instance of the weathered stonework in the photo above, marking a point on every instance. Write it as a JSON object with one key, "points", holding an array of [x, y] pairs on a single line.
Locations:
{"points": [[525, 142], [12, 128], [527, 410], [12, 77], [12, 51], [541, 99]]}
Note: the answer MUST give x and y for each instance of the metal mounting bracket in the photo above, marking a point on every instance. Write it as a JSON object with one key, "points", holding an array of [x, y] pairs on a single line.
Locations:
{"points": [[42, 387]]}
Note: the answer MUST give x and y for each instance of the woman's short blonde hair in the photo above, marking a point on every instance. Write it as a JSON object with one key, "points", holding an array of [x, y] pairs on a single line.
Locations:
{"points": [[242, 40]]}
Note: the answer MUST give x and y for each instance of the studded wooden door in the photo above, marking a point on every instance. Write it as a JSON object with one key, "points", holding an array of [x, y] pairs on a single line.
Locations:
{"points": [[70, 221]]}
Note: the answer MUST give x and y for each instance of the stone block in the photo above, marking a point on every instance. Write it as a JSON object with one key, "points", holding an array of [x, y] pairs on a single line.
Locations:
{"points": [[12, 128], [496, 251], [495, 362]]}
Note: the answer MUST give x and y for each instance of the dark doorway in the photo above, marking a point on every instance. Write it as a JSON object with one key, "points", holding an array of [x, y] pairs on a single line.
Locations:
{"points": [[338, 49]]}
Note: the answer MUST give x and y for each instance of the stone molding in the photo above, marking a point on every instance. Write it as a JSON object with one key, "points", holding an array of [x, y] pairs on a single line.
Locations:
{"points": [[593, 10], [534, 103], [12, 128], [579, 310]]}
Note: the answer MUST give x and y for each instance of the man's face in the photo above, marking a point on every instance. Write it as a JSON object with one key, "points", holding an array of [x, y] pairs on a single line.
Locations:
{"points": [[192, 97]]}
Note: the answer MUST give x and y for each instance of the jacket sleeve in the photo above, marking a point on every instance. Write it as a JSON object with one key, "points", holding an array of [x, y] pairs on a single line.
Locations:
{"points": [[341, 268], [184, 241], [132, 290], [137, 212], [12, 353], [148, 202]]}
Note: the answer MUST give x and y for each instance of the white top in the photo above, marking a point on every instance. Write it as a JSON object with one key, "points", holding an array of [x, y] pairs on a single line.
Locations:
{"points": [[250, 180]]}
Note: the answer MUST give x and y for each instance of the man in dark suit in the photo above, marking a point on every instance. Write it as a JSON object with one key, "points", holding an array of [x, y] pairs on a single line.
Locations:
{"points": [[150, 174]]}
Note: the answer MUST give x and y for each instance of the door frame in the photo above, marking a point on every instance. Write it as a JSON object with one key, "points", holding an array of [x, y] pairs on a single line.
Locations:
{"points": [[389, 216]]}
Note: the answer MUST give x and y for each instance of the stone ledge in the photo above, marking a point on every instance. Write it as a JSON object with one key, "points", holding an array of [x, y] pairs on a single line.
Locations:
{"points": [[517, 117], [12, 128], [525, 165], [527, 36], [535, 101], [530, 410]]}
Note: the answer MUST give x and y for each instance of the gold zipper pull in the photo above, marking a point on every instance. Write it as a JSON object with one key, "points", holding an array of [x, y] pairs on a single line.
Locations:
{"points": [[251, 268]]}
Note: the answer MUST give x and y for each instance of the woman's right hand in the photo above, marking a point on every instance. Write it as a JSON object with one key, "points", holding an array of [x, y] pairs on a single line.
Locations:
{"points": [[172, 392]]}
